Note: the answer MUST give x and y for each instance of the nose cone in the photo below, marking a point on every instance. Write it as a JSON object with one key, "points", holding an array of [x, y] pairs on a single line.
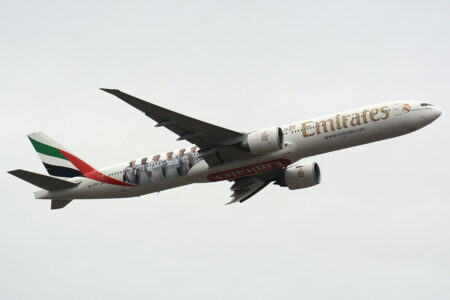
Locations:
{"points": [[427, 114], [435, 113]]}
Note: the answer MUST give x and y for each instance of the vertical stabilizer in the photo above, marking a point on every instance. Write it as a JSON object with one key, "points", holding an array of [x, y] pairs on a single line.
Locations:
{"points": [[54, 156]]}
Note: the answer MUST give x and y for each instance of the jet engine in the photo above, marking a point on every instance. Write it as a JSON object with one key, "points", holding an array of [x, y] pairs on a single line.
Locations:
{"points": [[301, 175], [264, 140]]}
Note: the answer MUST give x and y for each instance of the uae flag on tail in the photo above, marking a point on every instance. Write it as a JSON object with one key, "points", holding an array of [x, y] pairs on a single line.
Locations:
{"points": [[53, 156]]}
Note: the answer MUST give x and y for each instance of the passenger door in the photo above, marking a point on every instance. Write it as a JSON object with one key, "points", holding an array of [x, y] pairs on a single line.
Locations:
{"points": [[397, 109]]}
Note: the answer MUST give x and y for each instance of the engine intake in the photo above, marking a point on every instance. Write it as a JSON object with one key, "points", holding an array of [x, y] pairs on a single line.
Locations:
{"points": [[301, 176], [264, 140]]}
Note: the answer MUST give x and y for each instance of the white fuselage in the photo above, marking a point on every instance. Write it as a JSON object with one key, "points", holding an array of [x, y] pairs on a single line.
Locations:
{"points": [[303, 139]]}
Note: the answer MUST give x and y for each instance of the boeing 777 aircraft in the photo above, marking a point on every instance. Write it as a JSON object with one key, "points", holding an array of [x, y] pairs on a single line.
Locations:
{"points": [[251, 160]]}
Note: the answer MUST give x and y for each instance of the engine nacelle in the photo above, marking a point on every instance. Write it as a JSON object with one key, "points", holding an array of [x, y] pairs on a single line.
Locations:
{"points": [[264, 140], [301, 175]]}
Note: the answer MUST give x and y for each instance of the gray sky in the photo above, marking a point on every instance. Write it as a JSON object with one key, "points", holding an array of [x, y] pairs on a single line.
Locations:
{"points": [[378, 225]]}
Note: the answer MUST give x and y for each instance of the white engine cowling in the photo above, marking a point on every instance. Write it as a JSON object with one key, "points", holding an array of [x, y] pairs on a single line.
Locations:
{"points": [[302, 175], [264, 140]]}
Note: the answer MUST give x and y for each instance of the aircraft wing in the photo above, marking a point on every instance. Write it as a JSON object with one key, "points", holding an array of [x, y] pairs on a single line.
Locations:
{"points": [[202, 134], [215, 142], [245, 187]]}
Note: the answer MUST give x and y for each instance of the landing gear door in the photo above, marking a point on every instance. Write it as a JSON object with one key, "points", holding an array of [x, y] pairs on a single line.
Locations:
{"points": [[397, 109]]}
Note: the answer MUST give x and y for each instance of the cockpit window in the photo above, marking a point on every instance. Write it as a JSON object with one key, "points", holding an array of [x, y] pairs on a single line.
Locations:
{"points": [[425, 104]]}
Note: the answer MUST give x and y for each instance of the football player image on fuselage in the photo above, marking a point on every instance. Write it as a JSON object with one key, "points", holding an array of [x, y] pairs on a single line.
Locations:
{"points": [[185, 162], [129, 173], [172, 166], [143, 172], [156, 169], [194, 156]]}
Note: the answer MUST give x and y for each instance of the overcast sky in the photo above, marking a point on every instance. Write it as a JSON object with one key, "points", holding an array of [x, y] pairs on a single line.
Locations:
{"points": [[377, 227]]}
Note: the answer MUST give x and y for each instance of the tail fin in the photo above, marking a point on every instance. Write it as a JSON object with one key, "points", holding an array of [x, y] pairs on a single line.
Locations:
{"points": [[57, 160], [43, 181]]}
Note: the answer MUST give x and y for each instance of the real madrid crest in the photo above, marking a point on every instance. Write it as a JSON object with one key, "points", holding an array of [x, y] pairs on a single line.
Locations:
{"points": [[406, 108], [264, 136]]}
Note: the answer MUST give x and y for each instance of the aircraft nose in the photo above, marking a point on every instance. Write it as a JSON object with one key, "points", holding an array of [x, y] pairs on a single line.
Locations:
{"points": [[429, 114], [436, 113]]}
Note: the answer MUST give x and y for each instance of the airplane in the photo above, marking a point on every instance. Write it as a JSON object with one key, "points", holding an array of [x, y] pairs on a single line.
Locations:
{"points": [[250, 160]]}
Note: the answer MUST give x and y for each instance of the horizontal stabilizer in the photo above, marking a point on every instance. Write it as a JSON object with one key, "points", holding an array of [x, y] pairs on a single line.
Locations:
{"points": [[56, 204], [43, 181]]}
